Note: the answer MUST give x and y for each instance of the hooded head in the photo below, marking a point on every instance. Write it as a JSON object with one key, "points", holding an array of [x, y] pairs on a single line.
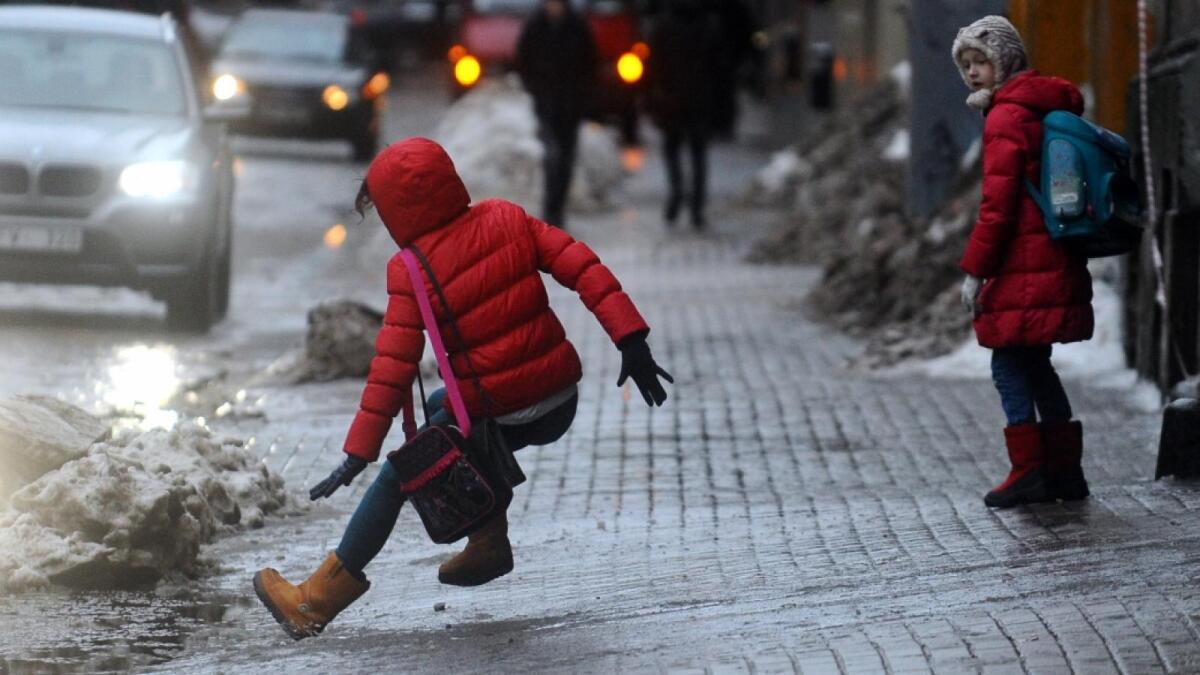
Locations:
{"points": [[1000, 42], [415, 188]]}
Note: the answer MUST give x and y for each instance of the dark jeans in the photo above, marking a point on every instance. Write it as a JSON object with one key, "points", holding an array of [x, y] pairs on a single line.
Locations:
{"points": [[560, 137], [1028, 385], [375, 517], [696, 139]]}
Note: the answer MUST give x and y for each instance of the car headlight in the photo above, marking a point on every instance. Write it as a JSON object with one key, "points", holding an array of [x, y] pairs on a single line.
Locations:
{"points": [[336, 98], [226, 87], [156, 179]]}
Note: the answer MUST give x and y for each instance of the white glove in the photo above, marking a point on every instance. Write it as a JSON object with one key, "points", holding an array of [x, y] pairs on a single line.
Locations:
{"points": [[970, 291]]}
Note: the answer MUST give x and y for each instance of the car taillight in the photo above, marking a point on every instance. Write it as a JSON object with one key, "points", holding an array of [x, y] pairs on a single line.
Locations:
{"points": [[630, 68], [467, 71]]}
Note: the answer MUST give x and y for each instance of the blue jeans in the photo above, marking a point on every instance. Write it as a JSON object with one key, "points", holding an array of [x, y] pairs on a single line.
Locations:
{"points": [[1028, 385], [375, 517]]}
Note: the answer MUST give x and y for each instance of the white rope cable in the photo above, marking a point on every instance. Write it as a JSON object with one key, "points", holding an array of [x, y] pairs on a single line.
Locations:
{"points": [[1160, 295]]}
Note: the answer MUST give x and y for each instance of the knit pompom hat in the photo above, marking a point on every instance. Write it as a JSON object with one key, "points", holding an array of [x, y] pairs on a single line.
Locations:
{"points": [[1001, 44]]}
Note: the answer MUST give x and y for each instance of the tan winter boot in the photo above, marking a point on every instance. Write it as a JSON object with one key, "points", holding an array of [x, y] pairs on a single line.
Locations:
{"points": [[488, 555], [305, 610]]}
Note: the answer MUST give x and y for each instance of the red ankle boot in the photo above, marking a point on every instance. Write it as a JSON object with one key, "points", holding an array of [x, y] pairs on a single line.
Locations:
{"points": [[1063, 444], [1025, 483]]}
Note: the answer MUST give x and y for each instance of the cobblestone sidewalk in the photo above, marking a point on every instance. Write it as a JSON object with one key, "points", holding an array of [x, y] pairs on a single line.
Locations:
{"points": [[781, 514]]}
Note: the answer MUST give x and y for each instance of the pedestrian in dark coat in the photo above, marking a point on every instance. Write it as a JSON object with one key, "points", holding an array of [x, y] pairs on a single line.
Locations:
{"points": [[490, 259], [737, 28], [685, 48], [1025, 290], [557, 61]]}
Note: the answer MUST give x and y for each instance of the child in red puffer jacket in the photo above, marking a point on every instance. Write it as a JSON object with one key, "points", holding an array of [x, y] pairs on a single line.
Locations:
{"points": [[488, 259], [1025, 291]]}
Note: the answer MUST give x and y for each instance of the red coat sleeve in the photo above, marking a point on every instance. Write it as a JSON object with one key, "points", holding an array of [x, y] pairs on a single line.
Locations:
{"points": [[577, 267], [1004, 160], [398, 349]]}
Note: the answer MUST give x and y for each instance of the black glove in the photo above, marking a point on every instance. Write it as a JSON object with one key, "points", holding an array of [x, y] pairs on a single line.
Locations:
{"points": [[346, 471], [636, 362]]}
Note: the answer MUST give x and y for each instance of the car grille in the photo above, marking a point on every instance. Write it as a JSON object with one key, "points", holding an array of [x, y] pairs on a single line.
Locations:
{"points": [[68, 181], [14, 179]]}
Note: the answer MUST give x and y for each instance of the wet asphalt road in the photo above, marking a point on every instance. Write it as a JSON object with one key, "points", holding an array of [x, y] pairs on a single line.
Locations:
{"points": [[782, 514]]}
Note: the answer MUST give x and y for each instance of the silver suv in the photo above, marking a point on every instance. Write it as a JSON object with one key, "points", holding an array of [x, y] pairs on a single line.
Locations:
{"points": [[111, 173]]}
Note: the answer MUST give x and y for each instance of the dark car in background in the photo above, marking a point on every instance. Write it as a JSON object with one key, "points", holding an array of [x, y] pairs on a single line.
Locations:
{"points": [[302, 73], [486, 46], [111, 173], [404, 32]]}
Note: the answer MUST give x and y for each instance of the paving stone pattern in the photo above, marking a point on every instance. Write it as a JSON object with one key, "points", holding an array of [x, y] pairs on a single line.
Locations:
{"points": [[781, 514]]}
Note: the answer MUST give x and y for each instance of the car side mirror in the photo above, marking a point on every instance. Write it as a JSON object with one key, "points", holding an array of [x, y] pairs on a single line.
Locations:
{"points": [[226, 112]]}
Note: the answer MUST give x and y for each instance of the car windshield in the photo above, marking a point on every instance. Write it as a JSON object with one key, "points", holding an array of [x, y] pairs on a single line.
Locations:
{"points": [[81, 71], [287, 40]]}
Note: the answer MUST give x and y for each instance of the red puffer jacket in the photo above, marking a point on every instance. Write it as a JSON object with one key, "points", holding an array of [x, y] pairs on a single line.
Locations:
{"points": [[487, 258], [1037, 292]]}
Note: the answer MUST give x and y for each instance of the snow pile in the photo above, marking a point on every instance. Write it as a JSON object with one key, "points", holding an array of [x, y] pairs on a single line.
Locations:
{"points": [[836, 185], [132, 509], [491, 134], [775, 184], [887, 277], [40, 434], [899, 149], [340, 342]]}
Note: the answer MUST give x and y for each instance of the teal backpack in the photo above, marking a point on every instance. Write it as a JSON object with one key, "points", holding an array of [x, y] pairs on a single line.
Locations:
{"points": [[1089, 201]]}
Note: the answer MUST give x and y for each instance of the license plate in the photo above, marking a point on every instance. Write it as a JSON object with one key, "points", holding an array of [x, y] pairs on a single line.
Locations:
{"points": [[284, 115], [46, 238]]}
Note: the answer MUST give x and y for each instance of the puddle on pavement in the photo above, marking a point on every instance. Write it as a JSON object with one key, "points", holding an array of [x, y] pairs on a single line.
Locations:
{"points": [[101, 632]]}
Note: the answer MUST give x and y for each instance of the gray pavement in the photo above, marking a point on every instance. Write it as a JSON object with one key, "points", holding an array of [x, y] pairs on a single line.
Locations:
{"points": [[780, 514]]}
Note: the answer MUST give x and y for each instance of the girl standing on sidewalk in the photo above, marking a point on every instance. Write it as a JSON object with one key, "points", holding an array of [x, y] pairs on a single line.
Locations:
{"points": [[488, 258], [1025, 291]]}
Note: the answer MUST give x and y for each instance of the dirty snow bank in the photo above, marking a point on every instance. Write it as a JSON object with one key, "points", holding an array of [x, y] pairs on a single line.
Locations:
{"points": [[131, 509], [491, 134], [887, 278]]}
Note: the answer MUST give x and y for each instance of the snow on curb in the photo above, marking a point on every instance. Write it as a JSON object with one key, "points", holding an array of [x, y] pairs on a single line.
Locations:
{"points": [[491, 134], [132, 510]]}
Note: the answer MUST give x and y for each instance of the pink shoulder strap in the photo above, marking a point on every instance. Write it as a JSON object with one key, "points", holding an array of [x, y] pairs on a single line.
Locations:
{"points": [[435, 339]]}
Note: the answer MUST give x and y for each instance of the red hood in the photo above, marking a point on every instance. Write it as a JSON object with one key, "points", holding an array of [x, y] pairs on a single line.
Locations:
{"points": [[1040, 93], [415, 188]]}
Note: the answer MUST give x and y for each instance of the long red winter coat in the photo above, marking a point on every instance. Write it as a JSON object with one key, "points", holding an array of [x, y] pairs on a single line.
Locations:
{"points": [[1037, 292], [487, 258]]}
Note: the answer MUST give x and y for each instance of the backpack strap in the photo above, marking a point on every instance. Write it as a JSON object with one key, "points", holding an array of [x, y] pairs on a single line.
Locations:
{"points": [[1039, 198]]}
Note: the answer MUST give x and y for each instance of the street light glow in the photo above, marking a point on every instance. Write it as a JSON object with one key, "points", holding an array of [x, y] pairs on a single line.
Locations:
{"points": [[335, 236]]}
